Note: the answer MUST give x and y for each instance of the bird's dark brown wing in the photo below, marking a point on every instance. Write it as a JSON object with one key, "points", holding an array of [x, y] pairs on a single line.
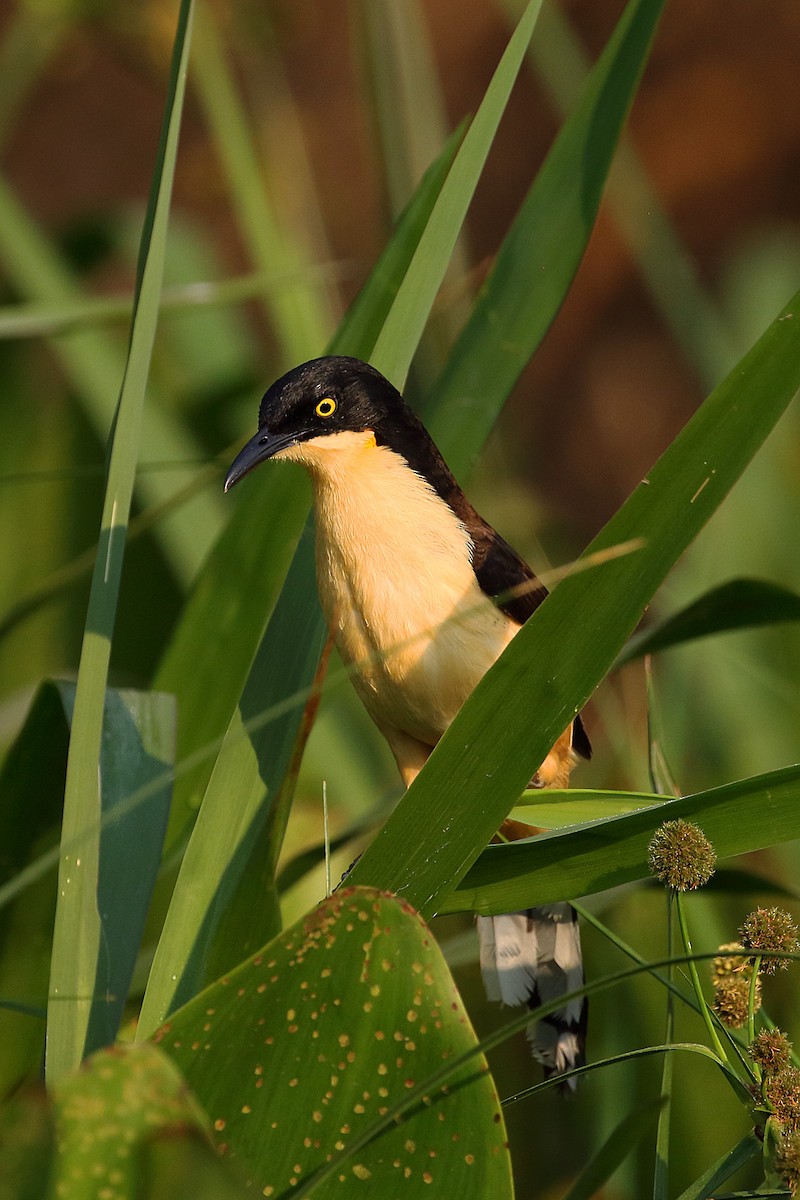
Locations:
{"points": [[508, 580]]}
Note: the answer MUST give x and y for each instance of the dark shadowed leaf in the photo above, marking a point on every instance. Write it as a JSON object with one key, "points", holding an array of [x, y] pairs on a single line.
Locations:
{"points": [[737, 604]]}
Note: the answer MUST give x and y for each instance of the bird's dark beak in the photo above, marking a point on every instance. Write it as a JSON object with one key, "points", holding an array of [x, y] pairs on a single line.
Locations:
{"points": [[261, 447]]}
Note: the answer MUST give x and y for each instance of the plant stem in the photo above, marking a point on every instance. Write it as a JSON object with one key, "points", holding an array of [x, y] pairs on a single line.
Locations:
{"points": [[695, 979]]}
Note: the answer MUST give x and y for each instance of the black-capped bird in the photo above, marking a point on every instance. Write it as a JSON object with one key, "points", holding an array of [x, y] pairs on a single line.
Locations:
{"points": [[415, 589]]}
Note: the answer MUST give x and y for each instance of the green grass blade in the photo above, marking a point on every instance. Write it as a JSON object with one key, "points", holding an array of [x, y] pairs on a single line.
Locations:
{"points": [[738, 818], [737, 604], [708, 1184], [541, 253], [401, 333], [491, 750], [234, 596], [78, 929], [665, 264], [208, 929]]}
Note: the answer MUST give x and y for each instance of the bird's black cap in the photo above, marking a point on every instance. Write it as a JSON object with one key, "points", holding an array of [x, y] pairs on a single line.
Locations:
{"points": [[328, 395]]}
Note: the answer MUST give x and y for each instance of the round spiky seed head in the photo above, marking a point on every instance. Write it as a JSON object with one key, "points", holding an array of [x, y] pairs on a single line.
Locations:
{"points": [[731, 1000], [771, 1049], [726, 965], [681, 856], [770, 929], [787, 1161], [783, 1093]]}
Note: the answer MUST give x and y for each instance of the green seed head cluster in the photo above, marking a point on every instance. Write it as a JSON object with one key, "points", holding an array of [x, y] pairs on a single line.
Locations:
{"points": [[787, 1161], [730, 978], [726, 965], [771, 1050], [773, 930], [731, 1000], [782, 1091], [681, 856]]}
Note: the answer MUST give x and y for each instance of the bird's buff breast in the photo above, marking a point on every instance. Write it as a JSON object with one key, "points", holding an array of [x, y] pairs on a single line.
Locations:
{"points": [[398, 591]]}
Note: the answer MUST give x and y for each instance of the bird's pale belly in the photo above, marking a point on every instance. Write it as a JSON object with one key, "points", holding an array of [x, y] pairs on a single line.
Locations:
{"points": [[416, 650]]}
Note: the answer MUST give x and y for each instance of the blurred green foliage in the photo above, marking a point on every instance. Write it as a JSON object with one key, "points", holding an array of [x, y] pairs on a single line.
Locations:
{"points": [[255, 281]]}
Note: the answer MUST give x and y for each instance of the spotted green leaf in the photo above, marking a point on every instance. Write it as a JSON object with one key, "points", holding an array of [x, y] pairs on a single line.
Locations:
{"points": [[309, 1056]]}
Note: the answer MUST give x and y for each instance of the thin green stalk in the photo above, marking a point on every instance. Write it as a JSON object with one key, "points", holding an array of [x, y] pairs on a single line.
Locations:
{"points": [[692, 968], [751, 1001], [661, 1167]]}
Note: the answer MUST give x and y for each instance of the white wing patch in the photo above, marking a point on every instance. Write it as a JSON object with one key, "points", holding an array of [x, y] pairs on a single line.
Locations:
{"points": [[532, 958]]}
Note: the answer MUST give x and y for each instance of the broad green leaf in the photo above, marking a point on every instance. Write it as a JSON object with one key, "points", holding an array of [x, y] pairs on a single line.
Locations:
{"points": [[737, 604], [552, 666], [302, 1055], [78, 934], [127, 1126], [738, 818], [136, 759], [136, 762], [540, 254]]}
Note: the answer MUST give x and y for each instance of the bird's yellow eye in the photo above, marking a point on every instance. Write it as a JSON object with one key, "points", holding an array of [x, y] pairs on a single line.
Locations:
{"points": [[326, 407]]}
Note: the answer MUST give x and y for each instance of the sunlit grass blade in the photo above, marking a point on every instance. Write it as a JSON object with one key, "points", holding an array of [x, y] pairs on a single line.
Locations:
{"points": [[558, 658], [737, 818], [410, 122], [541, 252], [556, 809], [401, 333], [78, 928], [738, 604]]}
